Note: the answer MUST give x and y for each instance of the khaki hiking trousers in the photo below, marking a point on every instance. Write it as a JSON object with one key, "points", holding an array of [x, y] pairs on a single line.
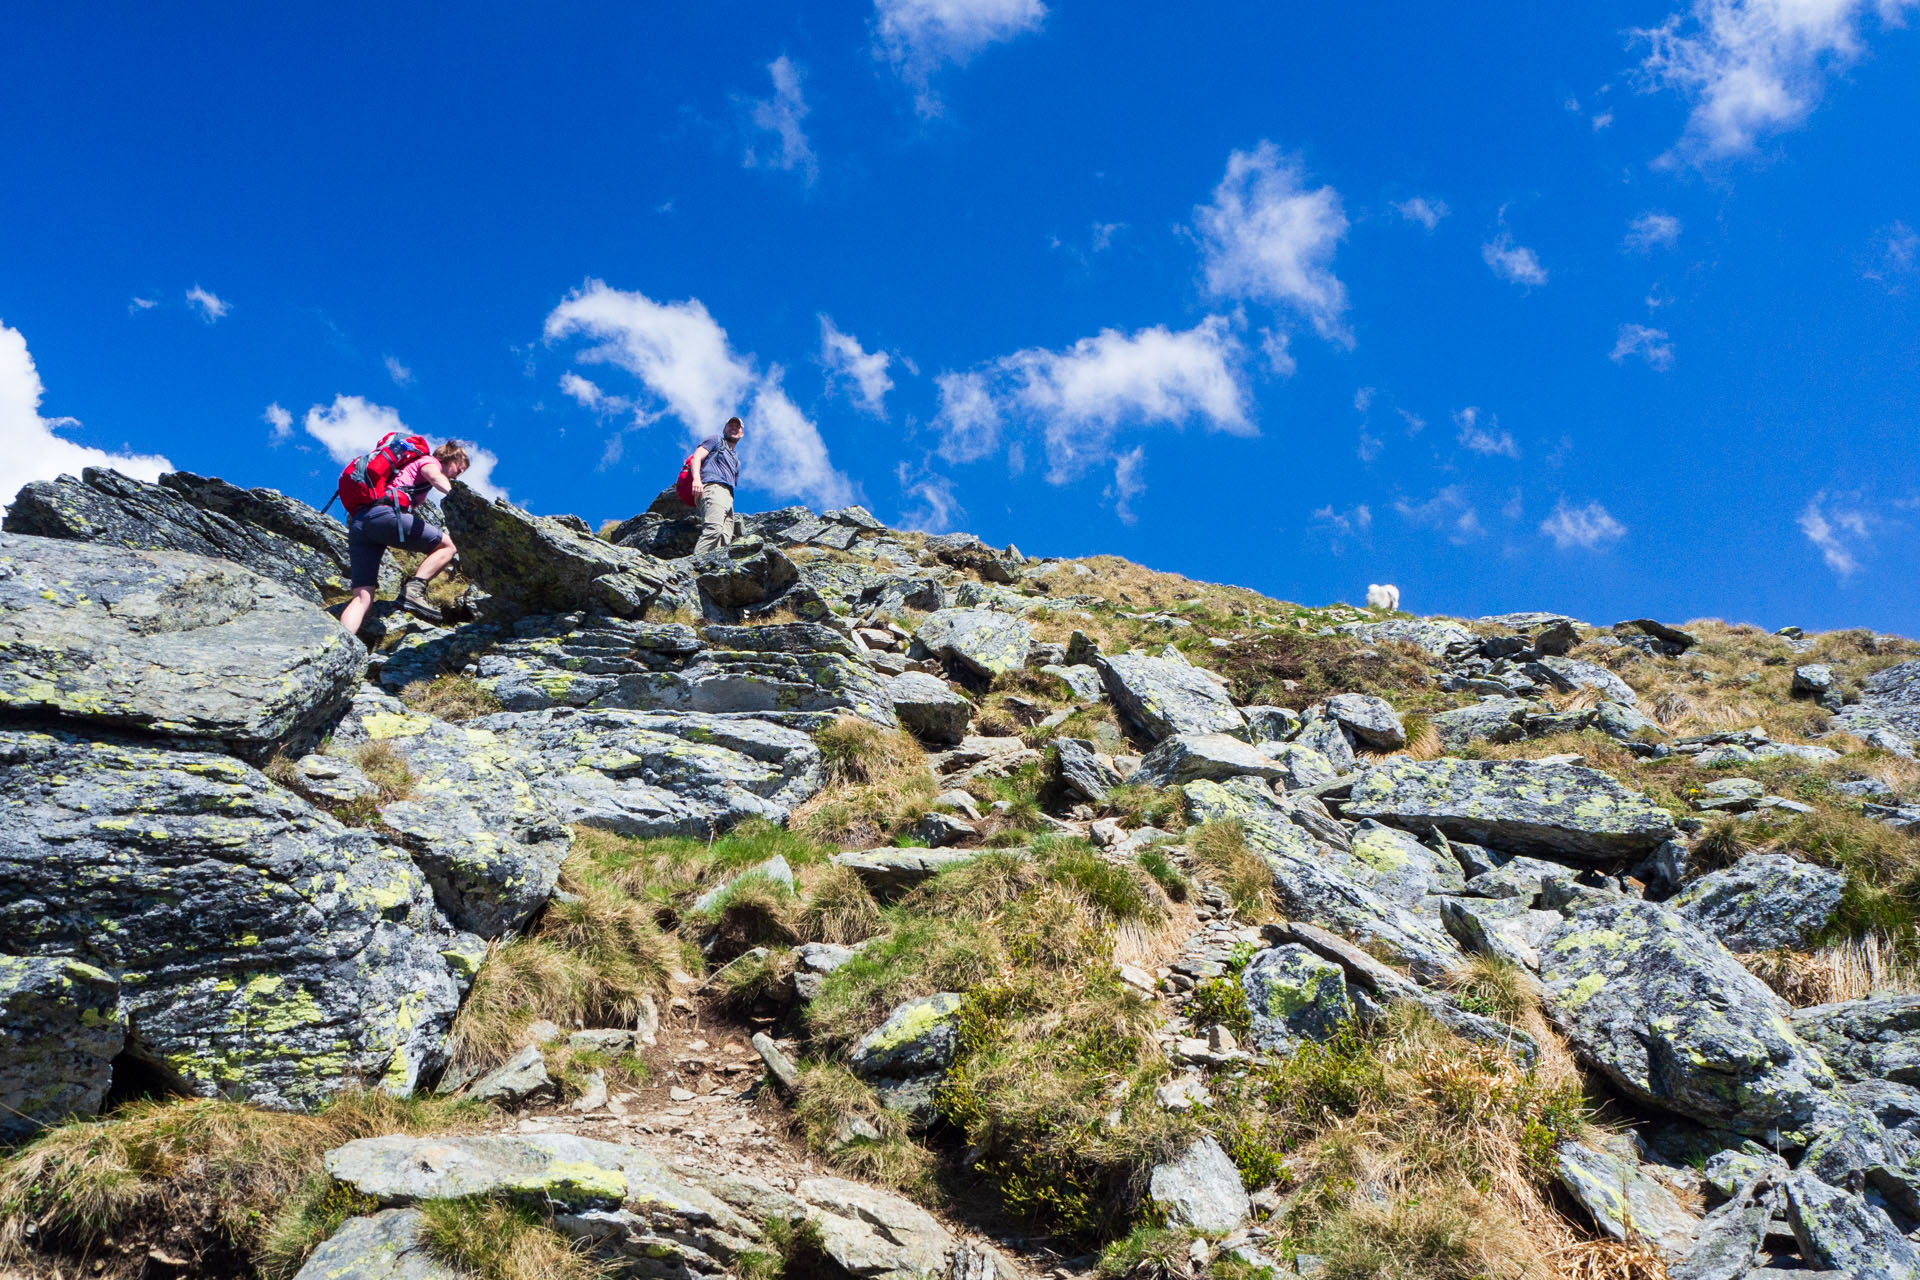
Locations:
{"points": [[717, 525]]}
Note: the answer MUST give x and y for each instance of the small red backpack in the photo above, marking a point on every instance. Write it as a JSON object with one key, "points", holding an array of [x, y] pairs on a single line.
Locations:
{"points": [[684, 485], [368, 479]]}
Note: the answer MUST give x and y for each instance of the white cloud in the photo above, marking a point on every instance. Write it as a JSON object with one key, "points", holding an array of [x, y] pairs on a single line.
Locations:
{"points": [[1415, 423], [137, 305], [29, 448], [1602, 120], [1651, 345], [1103, 234], [1355, 524], [1590, 527], [1277, 347], [1448, 511], [209, 306], [1423, 211], [1896, 256], [1514, 263], [787, 148], [401, 375], [351, 425], [848, 362], [1129, 482], [1267, 237], [1081, 396], [1488, 439], [586, 393], [280, 420], [934, 508], [1652, 230], [1841, 528], [1370, 445], [684, 361], [1753, 67], [918, 37]]}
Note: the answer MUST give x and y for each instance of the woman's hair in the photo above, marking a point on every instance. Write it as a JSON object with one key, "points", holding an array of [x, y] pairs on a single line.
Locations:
{"points": [[453, 452]]}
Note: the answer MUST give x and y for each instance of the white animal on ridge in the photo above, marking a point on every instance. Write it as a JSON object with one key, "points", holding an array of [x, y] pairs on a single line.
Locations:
{"points": [[1385, 596]]}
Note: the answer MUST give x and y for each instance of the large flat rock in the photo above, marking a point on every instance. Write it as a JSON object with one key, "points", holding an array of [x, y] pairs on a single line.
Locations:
{"points": [[263, 951], [166, 643], [652, 774], [1164, 696], [980, 642], [545, 564], [1565, 812], [1671, 1018]]}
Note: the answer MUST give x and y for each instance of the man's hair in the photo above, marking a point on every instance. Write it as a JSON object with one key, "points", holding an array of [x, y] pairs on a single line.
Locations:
{"points": [[731, 424], [453, 452]]}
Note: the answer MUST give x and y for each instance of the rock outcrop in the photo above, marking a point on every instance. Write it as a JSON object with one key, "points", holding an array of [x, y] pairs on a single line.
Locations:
{"points": [[168, 644]]}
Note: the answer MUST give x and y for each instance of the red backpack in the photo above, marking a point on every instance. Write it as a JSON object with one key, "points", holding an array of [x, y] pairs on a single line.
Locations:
{"points": [[368, 479], [684, 485]]}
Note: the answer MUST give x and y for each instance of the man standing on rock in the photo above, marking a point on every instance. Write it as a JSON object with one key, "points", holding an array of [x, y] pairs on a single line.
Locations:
{"points": [[398, 523], [716, 472]]}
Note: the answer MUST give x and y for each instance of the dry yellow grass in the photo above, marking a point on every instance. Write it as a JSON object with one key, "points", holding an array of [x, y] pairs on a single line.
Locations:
{"points": [[1844, 971], [879, 784]]}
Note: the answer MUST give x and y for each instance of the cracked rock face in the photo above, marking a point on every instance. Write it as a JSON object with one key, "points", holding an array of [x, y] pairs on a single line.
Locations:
{"points": [[652, 774], [263, 951], [979, 641], [180, 645], [60, 1027], [1561, 811], [1763, 901], [267, 532], [1165, 696], [539, 564], [1671, 1018], [1877, 1038], [477, 823]]}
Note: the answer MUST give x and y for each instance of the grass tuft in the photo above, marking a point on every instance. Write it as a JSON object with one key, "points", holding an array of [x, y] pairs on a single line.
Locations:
{"points": [[491, 1240], [1220, 854], [879, 785], [451, 697]]}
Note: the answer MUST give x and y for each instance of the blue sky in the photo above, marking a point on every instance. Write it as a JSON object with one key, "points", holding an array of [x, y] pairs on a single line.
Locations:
{"points": [[1602, 308]]}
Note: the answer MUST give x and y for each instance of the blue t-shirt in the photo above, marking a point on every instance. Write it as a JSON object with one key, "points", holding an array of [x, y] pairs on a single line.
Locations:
{"points": [[721, 465]]}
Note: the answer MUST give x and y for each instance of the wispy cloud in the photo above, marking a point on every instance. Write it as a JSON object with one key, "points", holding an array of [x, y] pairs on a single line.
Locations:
{"points": [[1651, 345], [1447, 511], [1842, 528], [401, 375], [1129, 482], [1589, 527], [1269, 236], [1514, 263], [1895, 257], [687, 367], [1423, 211], [1080, 397], [1340, 528], [29, 448], [280, 421], [779, 141], [932, 506], [1484, 437], [851, 365], [210, 307], [1652, 230], [136, 305], [918, 37], [1753, 67]]}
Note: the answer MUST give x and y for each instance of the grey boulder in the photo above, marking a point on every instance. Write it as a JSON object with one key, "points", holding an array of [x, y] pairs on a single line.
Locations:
{"points": [[1492, 719], [1372, 721], [1311, 890], [1570, 674], [1624, 1202], [388, 1245], [165, 643], [1877, 1038], [1200, 1189], [1165, 696], [929, 708], [1559, 811], [1892, 699], [60, 1029], [1294, 996], [1841, 1232], [646, 774], [1763, 901], [1190, 757], [543, 564], [477, 820], [264, 951], [918, 1037], [980, 642], [1082, 771], [1672, 1019], [267, 532]]}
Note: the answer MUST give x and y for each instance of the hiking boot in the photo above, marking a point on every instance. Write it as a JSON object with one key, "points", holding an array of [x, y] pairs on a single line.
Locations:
{"points": [[413, 598]]}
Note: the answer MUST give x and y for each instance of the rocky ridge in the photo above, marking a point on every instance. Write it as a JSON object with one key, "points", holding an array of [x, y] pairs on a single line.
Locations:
{"points": [[249, 861]]}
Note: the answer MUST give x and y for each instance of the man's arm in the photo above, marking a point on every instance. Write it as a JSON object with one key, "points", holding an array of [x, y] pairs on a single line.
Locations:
{"points": [[699, 458], [430, 472]]}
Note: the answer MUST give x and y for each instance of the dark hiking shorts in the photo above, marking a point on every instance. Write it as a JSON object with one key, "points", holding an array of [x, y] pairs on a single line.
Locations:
{"points": [[370, 533]]}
